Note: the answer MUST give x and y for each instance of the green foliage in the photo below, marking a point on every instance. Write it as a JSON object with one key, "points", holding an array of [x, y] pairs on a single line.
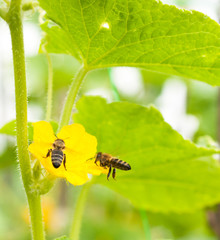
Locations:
{"points": [[8, 157], [10, 128], [167, 173], [145, 34]]}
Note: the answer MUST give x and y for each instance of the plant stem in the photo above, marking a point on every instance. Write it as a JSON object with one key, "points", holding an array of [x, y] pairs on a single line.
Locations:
{"points": [[79, 208], [49, 87], [15, 25], [71, 97], [14, 21], [34, 202]]}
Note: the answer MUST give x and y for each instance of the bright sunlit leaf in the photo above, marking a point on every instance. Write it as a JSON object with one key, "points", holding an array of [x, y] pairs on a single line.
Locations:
{"points": [[167, 172], [136, 33]]}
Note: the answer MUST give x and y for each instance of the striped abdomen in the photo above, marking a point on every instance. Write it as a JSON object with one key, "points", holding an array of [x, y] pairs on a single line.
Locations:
{"points": [[56, 157], [119, 164]]}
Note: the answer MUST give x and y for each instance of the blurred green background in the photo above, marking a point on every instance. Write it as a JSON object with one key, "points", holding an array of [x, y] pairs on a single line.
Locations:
{"points": [[191, 107]]}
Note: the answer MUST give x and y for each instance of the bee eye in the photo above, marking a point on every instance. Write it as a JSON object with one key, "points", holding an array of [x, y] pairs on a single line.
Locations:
{"points": [[53, 145]]}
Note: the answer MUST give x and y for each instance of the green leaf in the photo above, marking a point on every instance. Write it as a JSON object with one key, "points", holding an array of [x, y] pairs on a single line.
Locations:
{"points": [[167, 172], [10, 128], [137, 33], [8, 157]]}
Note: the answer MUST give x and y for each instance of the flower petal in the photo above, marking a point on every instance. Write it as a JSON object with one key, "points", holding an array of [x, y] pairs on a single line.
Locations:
{"points": [[77, 177], [43, 132], [77, 139], [71, 133], [79, 148]]}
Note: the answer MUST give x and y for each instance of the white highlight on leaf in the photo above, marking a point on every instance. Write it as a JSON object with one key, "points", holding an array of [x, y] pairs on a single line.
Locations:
{"points": [[105, 25]]}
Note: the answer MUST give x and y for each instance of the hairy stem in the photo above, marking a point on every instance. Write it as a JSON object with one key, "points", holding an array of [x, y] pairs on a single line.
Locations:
{"points": [[15, 25], [49, 88], [79, 208], [34, 202], [14, 21], [71, 97]]}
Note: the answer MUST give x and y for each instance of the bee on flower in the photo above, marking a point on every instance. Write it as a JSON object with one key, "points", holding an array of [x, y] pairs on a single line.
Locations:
{"points": [[66, 154]]}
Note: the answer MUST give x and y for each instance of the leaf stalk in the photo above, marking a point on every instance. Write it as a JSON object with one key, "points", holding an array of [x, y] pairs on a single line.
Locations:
{"points": [[49, 88], [79, 208], [71, 97]]}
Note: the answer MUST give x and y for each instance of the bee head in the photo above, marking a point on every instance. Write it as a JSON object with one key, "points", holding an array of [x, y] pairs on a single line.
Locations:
{"points": [[99, 155], [59, 144]]}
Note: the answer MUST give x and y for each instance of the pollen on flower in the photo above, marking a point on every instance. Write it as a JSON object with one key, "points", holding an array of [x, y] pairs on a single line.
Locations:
{"points": [[67, 158]]}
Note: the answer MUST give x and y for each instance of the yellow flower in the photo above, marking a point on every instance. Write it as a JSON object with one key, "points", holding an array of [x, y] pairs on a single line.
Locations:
{"points": [[79, 147]]}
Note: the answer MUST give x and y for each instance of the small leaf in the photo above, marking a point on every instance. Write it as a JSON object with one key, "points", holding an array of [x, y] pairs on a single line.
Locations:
{"points": [[8, 157], [136, 33], [167, 172], [9, 128]]}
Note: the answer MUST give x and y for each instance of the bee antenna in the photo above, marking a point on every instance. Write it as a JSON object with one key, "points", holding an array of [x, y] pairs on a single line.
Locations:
{"points": [[60, 138], [91, 158]]}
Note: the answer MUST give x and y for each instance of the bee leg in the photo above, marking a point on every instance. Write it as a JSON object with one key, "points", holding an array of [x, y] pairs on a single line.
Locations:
{"points": [[96, 162], [64, 161], [48, 153], [109, 172], [114, 173]]}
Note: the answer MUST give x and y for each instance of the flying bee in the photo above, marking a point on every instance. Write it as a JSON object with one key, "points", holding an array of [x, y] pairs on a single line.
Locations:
{"points": [[57, 155], [106, 160]]}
